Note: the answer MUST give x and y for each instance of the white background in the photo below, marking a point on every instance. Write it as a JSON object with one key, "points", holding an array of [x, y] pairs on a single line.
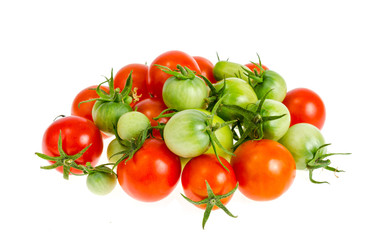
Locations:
{"points": [[50, 50]]}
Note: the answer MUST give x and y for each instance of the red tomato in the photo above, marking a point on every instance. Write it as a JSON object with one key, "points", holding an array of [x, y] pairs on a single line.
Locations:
{"points": [[170, 59], [152, 107], [85, 109], [265, 169], [207, 167], [152, 173], [139, 76], [206, 68], [76, 133], [305, 106], [252, 66]]}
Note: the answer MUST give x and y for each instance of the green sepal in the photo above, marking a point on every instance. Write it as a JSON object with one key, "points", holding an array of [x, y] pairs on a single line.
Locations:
{"points": [[211, 201]]}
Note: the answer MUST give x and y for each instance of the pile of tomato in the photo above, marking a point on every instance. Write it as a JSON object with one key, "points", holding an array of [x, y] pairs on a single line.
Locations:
{"points": [[217, 128]]}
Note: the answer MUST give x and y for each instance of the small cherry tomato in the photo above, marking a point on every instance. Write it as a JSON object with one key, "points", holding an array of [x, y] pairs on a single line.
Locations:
{"points": [[206, 67]]}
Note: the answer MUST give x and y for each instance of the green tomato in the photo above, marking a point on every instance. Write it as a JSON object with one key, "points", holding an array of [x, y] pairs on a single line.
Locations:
{"points": [[106, 114], [113, 148], [224, 70], [184, 94], [303, 141], [185, 133], [271, 80], [273, 129], [131, 124], [237, 92], [101, 183]]}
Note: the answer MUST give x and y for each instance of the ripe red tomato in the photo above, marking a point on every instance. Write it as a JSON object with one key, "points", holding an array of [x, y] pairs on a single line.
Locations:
{"points": [[305, 106], [152, 107], [252, 66], [206, 67], [207, 167], [77, 133], [265, 169], [139, 77], [85, 109], [170, 59], [152, 173]]}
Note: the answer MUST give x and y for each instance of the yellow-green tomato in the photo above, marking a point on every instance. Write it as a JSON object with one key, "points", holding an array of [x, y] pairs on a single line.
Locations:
{"points": [[113, 148], [101, 183], [131, 124], [225, 69]]}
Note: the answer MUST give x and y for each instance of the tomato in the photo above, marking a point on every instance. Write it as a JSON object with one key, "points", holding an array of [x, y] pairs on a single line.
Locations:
{"points": [[139, 77], [226, 69], [265, 169], [303, 140], [85, 109], [206, 67], [271, 80], [131, 124], [252, 66], [184, 90], [113, 148], [237, 92], [152, 173], [185, 133], [305, 106], [152, 107], [106, 114], [77, 133], [170, 59], [207, 168], [273, 129], [101, 183]]}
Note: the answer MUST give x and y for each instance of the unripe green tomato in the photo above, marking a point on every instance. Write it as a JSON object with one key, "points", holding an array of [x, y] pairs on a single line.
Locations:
{"points": [[273, 129], [303, 140], [131, 124], [101, 183], [185, 94], [225, 69], [271, 80], [113, 148]]}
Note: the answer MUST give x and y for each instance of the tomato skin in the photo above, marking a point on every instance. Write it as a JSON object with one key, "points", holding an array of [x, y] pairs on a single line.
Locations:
{"points": [[206, 67], [265, 169], [107, 114], [152, 107], [170, 59], [273, 129], [185, 94], [76, 133], [305, 106], [252, 66], [207, 167], [152, 173], [85, 109], [139, 77], [185, 133], [272, 80], [237, 92], [225, 69], [303, 140], [101, 183]]}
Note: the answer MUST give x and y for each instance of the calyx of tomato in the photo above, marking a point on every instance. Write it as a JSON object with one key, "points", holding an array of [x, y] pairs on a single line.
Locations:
{"points": [[319, 161], [211, 201], [254, 78], [251, 123], [115, 95], [68, 161], [182, 73]]}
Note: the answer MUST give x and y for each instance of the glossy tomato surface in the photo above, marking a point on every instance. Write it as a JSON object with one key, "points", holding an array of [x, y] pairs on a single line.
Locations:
{"points": [[206, 67], [152, 173], [305, 106], [77, 133], [206, 167], [139, 77], [265, 169], [252, 66], [170, 59]]}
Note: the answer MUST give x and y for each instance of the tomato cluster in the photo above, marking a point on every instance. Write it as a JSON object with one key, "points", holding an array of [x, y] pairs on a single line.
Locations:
{"points": [[214, 127]]}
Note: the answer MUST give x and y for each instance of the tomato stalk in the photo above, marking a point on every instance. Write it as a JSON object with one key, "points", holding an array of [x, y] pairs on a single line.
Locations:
{"points": [[319, 161], [211, 201], [254, 78]]}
